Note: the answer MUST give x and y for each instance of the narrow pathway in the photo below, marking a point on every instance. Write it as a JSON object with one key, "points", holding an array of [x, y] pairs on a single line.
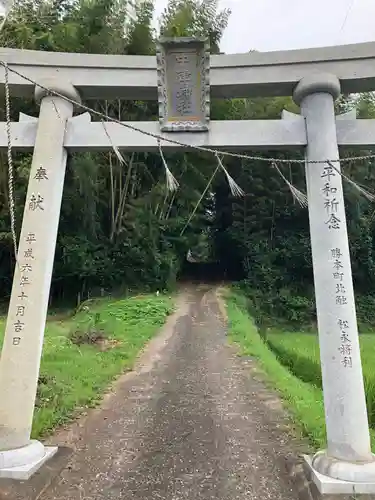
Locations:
{"points": [[190, 424]]}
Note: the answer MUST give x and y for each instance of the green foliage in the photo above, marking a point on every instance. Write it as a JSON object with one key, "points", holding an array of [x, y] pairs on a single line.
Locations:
{"points": [[292, 368], [266, 306], [304, 402], [195, 18], [76, 369], [88, 332], [118, 224], [299, 353]]}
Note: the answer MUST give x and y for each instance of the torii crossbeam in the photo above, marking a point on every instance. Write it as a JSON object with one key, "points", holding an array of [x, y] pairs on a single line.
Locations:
{"points": [[82, 134]]}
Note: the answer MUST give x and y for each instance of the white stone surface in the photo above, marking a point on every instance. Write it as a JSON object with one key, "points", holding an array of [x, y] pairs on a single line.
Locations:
{"points": [[23, 341], [348, 438], [81, 135], [330, 486], [20, 456], [348, 115], [254, 74], [235, 135], [25, 461]]}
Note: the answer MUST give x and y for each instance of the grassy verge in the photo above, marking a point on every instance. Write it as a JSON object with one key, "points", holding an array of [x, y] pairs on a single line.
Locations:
{"points": [[299, 353], [83, 354], [303, 400]]}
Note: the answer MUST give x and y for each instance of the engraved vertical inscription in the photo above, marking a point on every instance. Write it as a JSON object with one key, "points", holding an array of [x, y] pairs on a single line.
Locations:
{"points": [[41, 174], [338, 274], [184, 92], [36, 202], [183, 84], [331, 204], [26, 267], [345, 348], [332, 207]]}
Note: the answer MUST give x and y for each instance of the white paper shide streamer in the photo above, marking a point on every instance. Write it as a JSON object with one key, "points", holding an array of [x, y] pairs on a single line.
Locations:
{"points": [[369, 196], [298, 195], [172, 183], [233, 186], [114, 147]]}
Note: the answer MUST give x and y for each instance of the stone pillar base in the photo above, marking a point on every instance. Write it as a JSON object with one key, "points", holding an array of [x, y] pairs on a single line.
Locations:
{"points": [[360, 478], [21, 463]]}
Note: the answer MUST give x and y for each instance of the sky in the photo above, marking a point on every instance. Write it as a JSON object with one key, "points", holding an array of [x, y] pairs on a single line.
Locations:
{"points": [[267, 25]]}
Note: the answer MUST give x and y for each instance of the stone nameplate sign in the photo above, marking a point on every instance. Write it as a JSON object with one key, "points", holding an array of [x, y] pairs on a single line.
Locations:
{"points": [[183, 84]]}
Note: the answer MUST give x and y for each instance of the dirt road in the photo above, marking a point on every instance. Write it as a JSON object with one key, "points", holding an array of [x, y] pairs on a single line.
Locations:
{"points": [[190, 423]]}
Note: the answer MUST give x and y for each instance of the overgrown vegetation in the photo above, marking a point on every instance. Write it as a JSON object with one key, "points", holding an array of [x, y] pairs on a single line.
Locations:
{"points": [[77, 368], [293, 368], [88, 333]]}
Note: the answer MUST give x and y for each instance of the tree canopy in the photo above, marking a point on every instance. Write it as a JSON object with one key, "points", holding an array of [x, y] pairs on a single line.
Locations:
{"points": [[119, 226]]}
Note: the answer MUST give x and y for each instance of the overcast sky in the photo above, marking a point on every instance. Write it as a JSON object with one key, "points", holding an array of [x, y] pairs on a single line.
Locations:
{"points": [[291, 24]]}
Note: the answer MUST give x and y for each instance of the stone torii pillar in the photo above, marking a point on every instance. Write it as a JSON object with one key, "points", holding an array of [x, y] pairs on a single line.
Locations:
{"points": [[20, 457], [348, 458]]}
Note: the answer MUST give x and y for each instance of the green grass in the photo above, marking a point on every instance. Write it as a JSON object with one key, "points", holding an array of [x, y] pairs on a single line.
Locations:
{"points": [[303, 399], [73, 377], [299, 352]]}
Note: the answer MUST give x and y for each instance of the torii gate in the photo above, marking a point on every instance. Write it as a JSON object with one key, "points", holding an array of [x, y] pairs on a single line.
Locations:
{"points": [[315, 78]]}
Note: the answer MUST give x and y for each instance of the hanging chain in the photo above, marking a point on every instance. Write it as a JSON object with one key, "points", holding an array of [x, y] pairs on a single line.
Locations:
{"points": [[159, 138], [10, 163], [203, 149]]}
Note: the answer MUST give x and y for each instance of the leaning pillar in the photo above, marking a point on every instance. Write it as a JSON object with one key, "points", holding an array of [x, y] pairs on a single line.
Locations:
{"points": [[348, 455], [23, 342]]}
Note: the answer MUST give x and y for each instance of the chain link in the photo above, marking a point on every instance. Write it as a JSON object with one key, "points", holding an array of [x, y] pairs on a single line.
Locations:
{"points": [[10, 163], [271, 161], [204, 149]]}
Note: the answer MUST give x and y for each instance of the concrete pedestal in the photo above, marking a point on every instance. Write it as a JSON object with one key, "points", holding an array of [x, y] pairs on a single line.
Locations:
{"points": [[24, 333], [21, 463], [328, 485], [348, 456]]}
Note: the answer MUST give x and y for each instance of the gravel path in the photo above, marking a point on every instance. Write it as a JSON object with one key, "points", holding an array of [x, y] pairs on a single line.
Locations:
{"points": [[192, 423]]}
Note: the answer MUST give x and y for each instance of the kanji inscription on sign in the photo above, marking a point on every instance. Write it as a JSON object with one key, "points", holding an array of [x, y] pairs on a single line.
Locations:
{"points": [[183, 84]]}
